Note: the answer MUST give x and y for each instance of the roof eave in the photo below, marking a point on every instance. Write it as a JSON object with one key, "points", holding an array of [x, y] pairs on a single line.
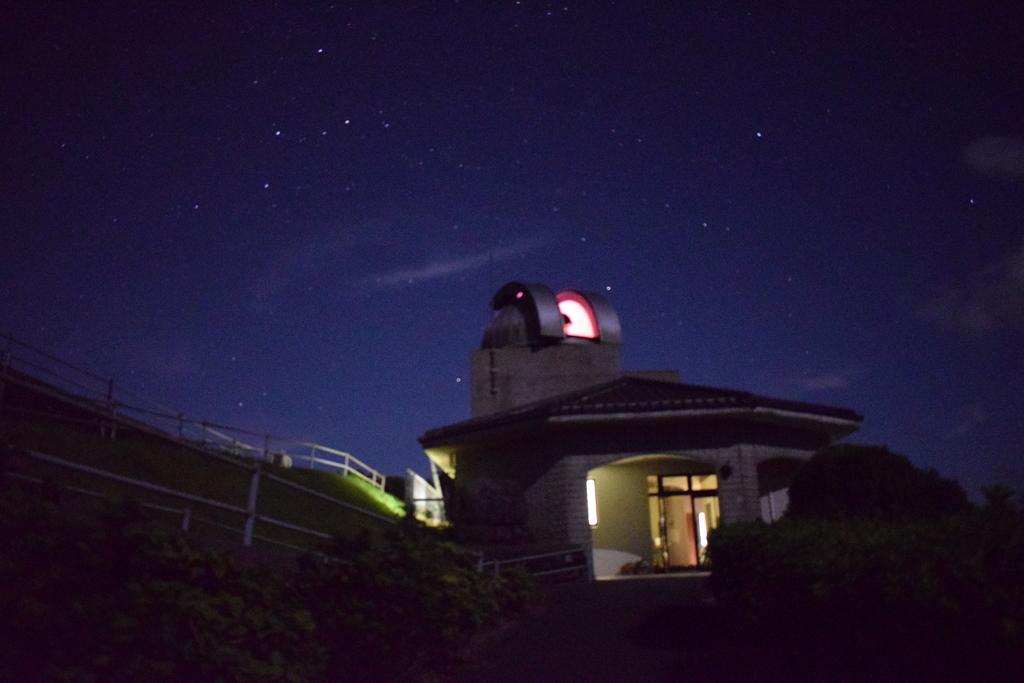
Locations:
{"points": [[835, 426], [439, 438]]}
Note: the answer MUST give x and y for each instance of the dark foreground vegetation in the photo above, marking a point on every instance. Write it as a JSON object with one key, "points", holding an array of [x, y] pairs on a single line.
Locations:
{"points": [[94, 593], [878, 569]]}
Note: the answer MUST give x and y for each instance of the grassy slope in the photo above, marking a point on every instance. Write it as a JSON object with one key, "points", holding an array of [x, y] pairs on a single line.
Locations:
{"points": [[193, 472]]}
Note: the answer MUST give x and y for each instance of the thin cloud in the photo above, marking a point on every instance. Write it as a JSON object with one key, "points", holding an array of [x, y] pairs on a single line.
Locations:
{"points": [[833, 379], [826, 381], [998, 157], [992, 301], [974, 416], [437, 269]]}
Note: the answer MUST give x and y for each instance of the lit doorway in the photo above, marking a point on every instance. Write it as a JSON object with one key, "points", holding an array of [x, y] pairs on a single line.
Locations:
{"points": [[683, 509]]}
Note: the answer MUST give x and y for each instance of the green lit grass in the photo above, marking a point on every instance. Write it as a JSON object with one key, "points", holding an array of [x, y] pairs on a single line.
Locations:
{"points": [[196, 473], [352, 489]]}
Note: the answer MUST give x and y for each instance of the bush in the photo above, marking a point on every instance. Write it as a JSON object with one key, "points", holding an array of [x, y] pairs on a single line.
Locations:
{"points": [[405, 604], [966, 568], [849, 480], [93, 594], [99, 597]]}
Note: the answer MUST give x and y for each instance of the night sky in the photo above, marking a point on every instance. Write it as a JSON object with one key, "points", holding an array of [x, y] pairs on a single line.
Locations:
{"points": [[293, 219]]}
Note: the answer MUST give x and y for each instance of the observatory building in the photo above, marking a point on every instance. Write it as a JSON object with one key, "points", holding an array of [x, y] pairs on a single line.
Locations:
{"points": [[566, 447]]}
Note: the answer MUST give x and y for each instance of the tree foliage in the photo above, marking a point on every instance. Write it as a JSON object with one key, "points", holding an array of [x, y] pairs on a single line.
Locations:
{"points": [[922, 582], [850, 480]]}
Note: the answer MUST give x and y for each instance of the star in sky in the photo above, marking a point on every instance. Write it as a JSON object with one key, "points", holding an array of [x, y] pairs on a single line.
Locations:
{"points": [[633, 122]]}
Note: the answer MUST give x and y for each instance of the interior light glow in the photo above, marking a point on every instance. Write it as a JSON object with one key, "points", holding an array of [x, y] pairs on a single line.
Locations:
{"points": [[592, 502], [519, 295], [580, 324], [702, 529], [580, 318]]}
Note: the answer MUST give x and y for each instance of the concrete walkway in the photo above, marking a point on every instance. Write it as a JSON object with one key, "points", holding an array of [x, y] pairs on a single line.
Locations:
{"points": [[667, 628], [616, 630]]}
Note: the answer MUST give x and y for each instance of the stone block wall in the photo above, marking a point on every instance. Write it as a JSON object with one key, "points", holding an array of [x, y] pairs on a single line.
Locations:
{"points": [[552, 501], [558, 501], [512, 376]]}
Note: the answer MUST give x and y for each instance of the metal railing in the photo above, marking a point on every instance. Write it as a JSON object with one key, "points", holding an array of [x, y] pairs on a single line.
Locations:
{"points": [[115, 405], [249, 512], [575, 559], [346, 463], [187, 515]]}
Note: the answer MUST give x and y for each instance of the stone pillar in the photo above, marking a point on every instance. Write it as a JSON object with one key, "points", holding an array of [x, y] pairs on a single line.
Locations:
{"points": [[737, 493], [557, 503], [577, 526], [545, 501]]}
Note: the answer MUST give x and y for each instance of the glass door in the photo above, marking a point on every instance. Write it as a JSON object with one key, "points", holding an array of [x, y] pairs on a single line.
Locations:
{"points": [[683, 509], [706, 515], [680, 544]]}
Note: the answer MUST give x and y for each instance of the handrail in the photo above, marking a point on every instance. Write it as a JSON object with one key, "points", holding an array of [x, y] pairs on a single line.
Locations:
{"points": [[527, 558], [135, 482], [165, 490], [560, 570], [374, 477], [325, 448], [137, 425], [292, 527], [345, 454], [106, 396], [47, 371], [234, 442], [583, 565], [187, 512], [14, 340]]}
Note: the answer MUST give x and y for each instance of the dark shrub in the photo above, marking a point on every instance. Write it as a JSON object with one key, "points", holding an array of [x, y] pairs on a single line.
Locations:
{"points": [[405, 604], [94, 595], [850, 480], [91, 593], [966, 568]]}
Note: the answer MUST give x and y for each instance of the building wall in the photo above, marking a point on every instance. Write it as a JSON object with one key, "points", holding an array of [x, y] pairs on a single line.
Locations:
{"points": [[511, 376], [554, 500], [557, 500]]}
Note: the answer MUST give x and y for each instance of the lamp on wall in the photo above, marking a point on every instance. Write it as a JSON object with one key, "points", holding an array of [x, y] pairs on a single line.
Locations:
{"points": [[592, 502]]}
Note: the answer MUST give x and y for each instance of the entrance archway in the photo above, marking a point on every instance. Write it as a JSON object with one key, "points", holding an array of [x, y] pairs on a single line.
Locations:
{"points": [[651, 513]]}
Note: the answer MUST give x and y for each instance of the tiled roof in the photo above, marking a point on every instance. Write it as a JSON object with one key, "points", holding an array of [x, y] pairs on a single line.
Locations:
{"points": [[636, 395]]}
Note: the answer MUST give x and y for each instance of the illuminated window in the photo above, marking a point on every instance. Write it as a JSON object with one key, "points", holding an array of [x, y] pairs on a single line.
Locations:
{"points": [[592, 502], [676, 483], [704, 482], [579, 316]]}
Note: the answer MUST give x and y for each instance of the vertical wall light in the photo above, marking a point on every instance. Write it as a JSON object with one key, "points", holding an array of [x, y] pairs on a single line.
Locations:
{"points": [[592, 502]]}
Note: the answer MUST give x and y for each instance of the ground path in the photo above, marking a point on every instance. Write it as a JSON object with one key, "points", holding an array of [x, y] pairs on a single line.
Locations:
{"points": [[597, 631], [668, 628]]}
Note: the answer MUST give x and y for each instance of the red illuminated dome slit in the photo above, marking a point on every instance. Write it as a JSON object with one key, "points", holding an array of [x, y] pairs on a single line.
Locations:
{"points": [[580, 320]]}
